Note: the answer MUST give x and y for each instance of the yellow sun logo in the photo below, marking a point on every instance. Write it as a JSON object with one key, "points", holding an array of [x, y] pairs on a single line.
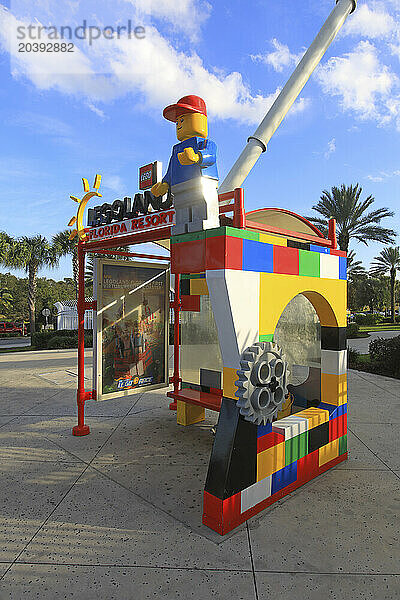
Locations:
{"points": [[78, 220]]}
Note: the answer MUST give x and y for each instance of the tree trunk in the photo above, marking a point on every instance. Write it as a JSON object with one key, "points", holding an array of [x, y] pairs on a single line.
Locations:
{"points": [[392, 286], [343, 241], [32, 295], [75, 270]]}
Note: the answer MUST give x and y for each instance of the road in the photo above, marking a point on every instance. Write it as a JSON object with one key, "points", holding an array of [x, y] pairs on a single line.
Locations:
{"points": [[14, 342], [362, 344]]}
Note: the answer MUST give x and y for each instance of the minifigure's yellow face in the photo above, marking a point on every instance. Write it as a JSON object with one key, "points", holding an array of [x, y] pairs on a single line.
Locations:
{"points": [[191, 125]]}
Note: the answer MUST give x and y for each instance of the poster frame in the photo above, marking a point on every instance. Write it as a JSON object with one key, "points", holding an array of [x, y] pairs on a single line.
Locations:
{"points": [[97, 328]]}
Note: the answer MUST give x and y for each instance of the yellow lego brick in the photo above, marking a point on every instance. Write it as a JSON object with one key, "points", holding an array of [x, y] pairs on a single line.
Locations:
{"points": [[334, 389], [198, 287], [271, 460], [229, 378], [187, 414], [328, 296], [273, 239], [315, 416], [328, 452]]}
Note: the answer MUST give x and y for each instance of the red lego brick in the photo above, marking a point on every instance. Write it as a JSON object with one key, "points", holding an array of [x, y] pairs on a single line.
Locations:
{"points": [[190, 303], [338, 252], [337, 427], [188, 257], [308, 467], [286, 260], [224, 252], [270, 439]]}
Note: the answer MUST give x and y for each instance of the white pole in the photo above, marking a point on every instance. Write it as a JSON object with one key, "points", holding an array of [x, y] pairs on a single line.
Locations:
{"points": [[257, 143]]}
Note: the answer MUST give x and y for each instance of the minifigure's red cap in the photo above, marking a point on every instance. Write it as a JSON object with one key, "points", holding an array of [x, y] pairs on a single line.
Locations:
{"points": [[187, 104]]}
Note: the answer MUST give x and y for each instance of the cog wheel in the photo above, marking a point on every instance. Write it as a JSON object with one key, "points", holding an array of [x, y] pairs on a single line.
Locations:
{"points": [[262, 384]]}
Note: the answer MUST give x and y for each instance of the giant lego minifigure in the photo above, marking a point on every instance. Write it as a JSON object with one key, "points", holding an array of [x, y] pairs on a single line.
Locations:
{"points": [[192, 172]]}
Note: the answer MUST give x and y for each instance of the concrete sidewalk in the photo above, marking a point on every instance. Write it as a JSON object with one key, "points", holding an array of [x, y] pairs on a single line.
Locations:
{"points": [[117, 514]]}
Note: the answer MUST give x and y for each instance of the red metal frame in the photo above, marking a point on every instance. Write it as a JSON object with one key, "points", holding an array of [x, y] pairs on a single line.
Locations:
{"points": [[176, 305]]}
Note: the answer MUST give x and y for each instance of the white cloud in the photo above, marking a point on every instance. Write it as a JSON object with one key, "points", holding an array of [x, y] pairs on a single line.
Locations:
{"points": [[280, 58], [331, 148], [113, 183], [186, 16], [371, 22], [383, 175], [364, 85], [151, 69], [100, 113]]}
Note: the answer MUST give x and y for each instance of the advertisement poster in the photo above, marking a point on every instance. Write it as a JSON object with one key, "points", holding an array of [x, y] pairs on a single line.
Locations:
{"points": [[132, 327]]}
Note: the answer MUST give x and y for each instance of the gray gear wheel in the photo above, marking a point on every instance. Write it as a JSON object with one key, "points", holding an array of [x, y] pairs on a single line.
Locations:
{"points": [[262, 383]]}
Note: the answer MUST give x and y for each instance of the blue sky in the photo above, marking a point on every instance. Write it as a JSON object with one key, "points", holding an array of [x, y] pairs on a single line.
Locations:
{"points": [[64, 116]]}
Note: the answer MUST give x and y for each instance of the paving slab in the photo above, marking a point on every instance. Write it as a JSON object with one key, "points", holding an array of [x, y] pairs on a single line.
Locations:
{"points": [[29, 492], [101, 583], [292, 586], [341, 521], [369, 403], [154, 437], [101, 523], [382, 440], [51, 439], [360, 457]]}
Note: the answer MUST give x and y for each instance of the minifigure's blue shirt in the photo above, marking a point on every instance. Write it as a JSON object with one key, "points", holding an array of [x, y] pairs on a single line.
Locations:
{"points": [[206, 167]]}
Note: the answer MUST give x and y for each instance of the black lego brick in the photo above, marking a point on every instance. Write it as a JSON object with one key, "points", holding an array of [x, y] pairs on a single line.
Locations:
{"points": [[184, 286], [210, 378], [318, 437], [299, 245], [233, 461], [333, 338]]}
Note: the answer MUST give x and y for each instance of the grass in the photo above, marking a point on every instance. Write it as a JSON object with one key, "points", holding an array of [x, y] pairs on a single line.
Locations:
{"points": [[386, 327]]}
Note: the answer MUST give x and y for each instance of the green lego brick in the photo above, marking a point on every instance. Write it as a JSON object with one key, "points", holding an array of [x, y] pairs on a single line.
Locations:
{"points": [[309, 263], [193, 275], [245, 234], [266, 338], [188, 237], [343, 445], [296, 448]]}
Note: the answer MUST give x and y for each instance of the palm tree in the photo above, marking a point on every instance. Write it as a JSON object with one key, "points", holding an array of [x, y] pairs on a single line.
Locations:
{"points": [[64, 246], [352, 218], [354, 267], [31, 254], [388, 261], [5, 302]]}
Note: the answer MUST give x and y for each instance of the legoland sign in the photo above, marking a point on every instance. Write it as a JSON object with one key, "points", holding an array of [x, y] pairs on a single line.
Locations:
{"points": [[153, 220], [144, 212]]}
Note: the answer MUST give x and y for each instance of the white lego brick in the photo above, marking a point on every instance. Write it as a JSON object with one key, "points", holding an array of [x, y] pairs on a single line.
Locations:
{"points": [[290, 426], [235, 301], [255, 494], [329, 266], [334, 362]]}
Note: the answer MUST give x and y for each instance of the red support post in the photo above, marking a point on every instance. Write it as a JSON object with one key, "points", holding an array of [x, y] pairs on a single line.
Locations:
{"points": [[239, 219], [175, 379], [81, 428], [332, 233]]}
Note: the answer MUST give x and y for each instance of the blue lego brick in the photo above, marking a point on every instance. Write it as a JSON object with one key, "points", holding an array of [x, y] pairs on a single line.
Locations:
{"points": [[284, 477], [342, 267], [331, 407], [264, 429], [257, 256], [320, 249], [338, 412]]}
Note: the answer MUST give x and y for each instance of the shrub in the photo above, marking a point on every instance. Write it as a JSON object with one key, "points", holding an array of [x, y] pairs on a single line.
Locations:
{"points": [[388, 320], [352, 358], [367, 320], [385, 355], [49, 340], [352, 330]]}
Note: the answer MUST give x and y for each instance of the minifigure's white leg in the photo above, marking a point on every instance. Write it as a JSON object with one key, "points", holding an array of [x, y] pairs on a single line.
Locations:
{"points": [[205, 209], [181, 220]]}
